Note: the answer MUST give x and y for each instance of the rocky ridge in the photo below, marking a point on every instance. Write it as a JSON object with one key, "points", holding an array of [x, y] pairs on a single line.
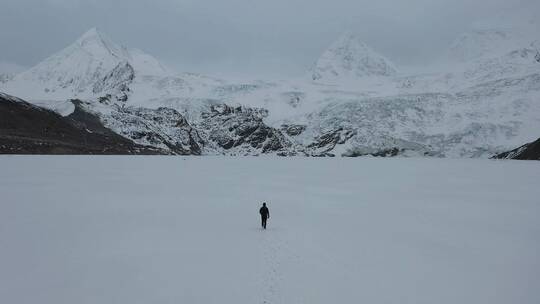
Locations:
{"points": [[358, 105]]}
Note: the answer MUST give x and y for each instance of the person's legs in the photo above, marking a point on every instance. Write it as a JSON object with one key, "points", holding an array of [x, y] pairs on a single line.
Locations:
{"points": [[263, 220]]}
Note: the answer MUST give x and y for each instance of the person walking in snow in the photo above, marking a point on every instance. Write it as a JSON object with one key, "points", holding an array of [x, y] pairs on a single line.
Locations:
{"points": [[265, 214]]}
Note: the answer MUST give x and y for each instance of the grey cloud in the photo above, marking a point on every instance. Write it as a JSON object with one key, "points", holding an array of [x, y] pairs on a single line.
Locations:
{"points": [[243, 37]]}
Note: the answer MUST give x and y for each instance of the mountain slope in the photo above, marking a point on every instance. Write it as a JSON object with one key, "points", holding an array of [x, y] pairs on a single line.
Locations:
{"points": [[357, 105], [481, 43], [530, 151], [74, 71], [28, 129]]}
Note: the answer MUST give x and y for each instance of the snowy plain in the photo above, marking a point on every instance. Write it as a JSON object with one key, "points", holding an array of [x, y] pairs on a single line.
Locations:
{"points": [[186, 230]]}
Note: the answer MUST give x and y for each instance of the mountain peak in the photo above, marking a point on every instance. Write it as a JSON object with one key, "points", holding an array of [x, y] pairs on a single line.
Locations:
{"points": [[95, 42], [349, 57], [93, 32], [93, 35], [75, 71]]}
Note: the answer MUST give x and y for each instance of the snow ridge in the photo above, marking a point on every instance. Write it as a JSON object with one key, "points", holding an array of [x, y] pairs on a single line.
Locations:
{"points": [[357, 105], [75, 70]]}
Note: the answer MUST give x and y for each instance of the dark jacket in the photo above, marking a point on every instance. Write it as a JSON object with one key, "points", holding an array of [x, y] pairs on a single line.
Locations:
{"points": [[265, 213]]}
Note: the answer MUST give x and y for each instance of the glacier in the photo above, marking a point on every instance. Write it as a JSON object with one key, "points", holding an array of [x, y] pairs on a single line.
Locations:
{"points": [[481, 101]]}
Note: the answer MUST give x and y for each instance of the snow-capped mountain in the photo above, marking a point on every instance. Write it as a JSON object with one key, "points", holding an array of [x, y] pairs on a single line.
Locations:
{"points": [[356, 104], [486, 54], [350, 57], [84, 69]]}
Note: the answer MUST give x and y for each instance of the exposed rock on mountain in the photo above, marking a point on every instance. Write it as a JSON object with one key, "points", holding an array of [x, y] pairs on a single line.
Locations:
{"points": [[116, 82], [357, 106], [326, 142], [293, 129], [240, 131], [388, 147], [221, 129], [163, 128], [28, 129], [530, 151], [88, 66]]}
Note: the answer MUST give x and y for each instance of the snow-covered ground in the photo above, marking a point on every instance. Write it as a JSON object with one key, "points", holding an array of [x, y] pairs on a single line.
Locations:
{"points": [[186, 230]]}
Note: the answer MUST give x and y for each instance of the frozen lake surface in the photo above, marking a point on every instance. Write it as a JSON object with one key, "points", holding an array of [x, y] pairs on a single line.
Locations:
{"points": [[99, 230]]}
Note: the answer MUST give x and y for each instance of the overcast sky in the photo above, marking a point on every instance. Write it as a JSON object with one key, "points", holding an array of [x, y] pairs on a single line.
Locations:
{"points": [[241, 37]]}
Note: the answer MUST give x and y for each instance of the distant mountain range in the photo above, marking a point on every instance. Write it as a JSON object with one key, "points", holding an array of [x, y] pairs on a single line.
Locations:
{"points": [[484, 100]]}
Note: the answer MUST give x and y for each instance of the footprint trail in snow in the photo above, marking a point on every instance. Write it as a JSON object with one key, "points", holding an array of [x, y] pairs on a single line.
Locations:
{"points": [[274, 252]]}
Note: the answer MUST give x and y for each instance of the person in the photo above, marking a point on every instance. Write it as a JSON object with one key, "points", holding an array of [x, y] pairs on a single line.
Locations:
{"points": [[265, 214]]}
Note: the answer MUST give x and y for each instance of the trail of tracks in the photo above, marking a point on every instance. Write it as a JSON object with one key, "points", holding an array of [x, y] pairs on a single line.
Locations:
{"points": [[274, 251]]}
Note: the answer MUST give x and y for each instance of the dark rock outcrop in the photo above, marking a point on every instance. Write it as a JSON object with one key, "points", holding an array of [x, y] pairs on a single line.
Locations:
{"points": [[530, 151], [241, 130], [163, 128], [293, 129], [323, 144], [28, 129], [390, 152]]}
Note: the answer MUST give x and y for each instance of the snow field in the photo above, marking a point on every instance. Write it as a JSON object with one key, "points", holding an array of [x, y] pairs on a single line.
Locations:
{"points": [[186, 230]]}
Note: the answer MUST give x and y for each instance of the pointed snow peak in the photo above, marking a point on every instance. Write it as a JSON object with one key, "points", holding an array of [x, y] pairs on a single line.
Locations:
{"points": [[350, 57], [93, 32], [73, 71], [97, 43], [93, 35], [94, 41], [93, 60]]}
